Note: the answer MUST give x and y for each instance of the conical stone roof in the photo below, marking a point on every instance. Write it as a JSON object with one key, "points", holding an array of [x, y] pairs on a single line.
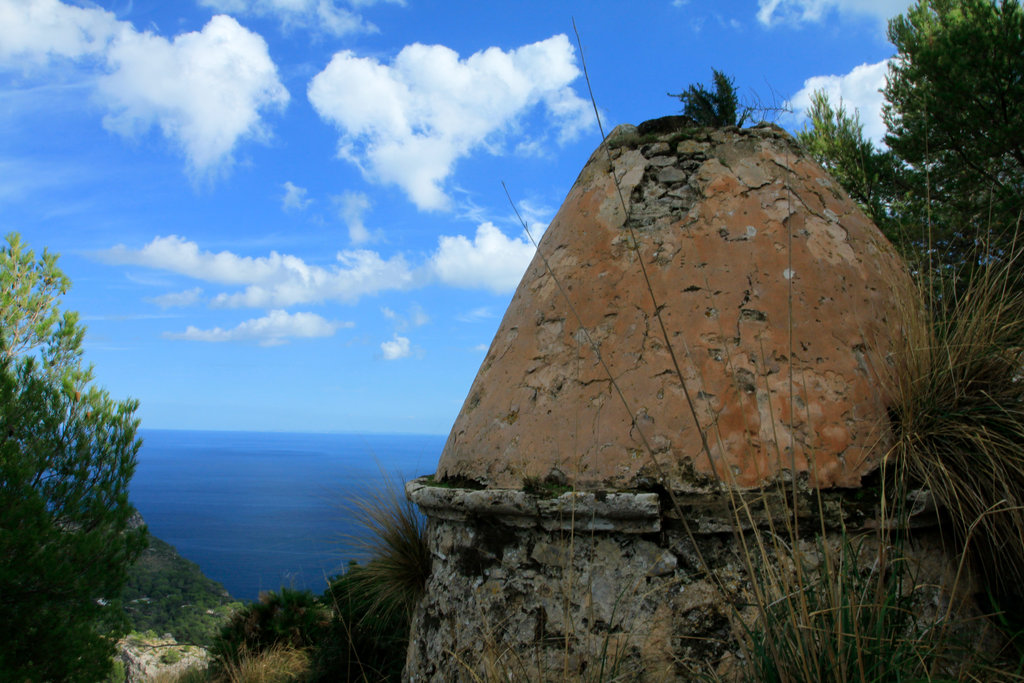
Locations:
{"points": [[775, 290]]}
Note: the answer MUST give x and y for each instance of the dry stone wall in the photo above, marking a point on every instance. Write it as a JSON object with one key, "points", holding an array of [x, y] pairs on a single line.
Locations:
{"points": [[583, 587]]}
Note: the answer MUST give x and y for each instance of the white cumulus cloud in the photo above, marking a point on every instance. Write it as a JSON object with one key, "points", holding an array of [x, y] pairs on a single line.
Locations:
{"points": [[771, 12], [276, 280], [204, 90], [491, 260], [859, 90], [37, 30], [275, 328], [409, 121], [324, 16], [398, 347]]}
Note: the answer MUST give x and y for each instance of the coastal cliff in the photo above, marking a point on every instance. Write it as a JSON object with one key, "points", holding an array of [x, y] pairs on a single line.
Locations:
{"points": [[175, 610]]}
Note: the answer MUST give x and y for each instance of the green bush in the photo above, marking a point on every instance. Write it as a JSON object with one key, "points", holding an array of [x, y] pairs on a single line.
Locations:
{"points": [[358, 630], [714, 109], [363, 641], [286, 618]]}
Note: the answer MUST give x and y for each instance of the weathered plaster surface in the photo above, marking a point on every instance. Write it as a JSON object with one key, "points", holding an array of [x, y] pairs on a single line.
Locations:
{"points": [[776, 293]]}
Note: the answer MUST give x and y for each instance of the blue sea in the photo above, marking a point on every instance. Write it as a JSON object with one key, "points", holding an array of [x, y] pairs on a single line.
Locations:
{"points": [[258, 511]]}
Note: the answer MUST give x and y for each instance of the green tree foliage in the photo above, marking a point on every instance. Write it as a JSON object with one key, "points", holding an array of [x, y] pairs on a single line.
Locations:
{"points": [[67, 454], [955, 115], [835, 139], [952, 179], [718, 108]]}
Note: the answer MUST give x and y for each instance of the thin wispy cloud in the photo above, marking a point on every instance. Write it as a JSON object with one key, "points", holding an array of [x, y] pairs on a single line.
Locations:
{"points": [[294, 197], [352, 206], [475, 315], [416, 317], [537, 216], [319, 16], [276, 328], [189, 297], [797, 12]]}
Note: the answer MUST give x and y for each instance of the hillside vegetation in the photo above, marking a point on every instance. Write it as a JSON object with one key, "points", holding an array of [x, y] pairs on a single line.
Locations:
{"points": [[166, 593]]}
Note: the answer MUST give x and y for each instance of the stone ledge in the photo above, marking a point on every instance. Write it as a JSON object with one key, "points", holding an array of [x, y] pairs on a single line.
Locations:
{"points": [[640, 513], [634, 513]]}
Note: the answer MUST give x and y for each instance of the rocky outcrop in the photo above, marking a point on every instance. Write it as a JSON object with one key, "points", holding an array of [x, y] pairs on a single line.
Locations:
{"points": [[147, 657], [776, 293]]}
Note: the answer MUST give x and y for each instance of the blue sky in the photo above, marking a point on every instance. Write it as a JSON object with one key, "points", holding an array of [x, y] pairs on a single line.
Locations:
{"points": [[288, 215]]}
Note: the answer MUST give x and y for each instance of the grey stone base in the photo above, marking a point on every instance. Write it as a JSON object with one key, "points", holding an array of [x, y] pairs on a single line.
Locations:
{"points": [[590, 587]]}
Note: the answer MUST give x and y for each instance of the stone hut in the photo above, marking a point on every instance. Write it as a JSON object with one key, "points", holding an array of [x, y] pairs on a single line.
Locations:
{"points": [[709, 316]]}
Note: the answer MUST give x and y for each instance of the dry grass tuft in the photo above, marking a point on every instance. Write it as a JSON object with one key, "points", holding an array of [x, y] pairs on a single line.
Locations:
{"points": [[958, 414], [394, 543], [277, 664], [849, 611]]}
